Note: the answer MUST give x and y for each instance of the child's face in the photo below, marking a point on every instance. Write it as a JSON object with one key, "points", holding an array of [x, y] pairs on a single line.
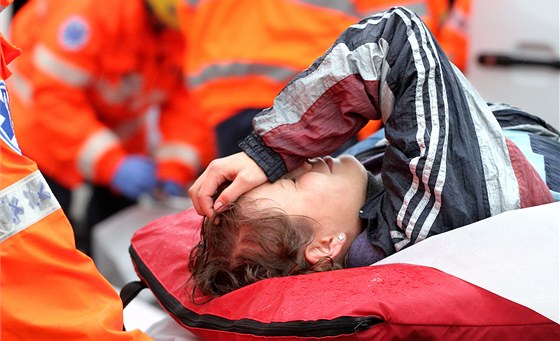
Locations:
{"points": [[330, 191]]}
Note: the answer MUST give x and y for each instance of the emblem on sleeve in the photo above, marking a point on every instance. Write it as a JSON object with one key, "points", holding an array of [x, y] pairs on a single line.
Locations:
{"points": [[6, 127]]}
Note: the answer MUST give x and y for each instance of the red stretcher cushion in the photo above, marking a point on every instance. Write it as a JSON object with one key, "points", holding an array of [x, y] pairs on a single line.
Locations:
{"points": [[393, 301]]}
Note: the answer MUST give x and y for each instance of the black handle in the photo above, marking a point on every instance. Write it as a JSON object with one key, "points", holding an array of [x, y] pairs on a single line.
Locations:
{"points": [[505, 60]]}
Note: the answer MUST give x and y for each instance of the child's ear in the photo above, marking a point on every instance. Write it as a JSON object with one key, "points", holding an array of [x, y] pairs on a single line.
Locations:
{"points": [[329, 246]]}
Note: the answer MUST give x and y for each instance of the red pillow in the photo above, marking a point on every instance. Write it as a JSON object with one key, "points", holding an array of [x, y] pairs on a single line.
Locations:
{"points": [[393, 301]]}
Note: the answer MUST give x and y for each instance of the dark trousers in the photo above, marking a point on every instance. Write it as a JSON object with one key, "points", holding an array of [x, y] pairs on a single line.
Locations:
{"points": [[102, 204], [233, 130]]}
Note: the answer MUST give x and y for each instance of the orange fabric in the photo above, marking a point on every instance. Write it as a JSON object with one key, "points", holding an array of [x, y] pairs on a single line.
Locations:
{"points": [[276, 38], [51, 291], [432, 12], [172, 168], [10, 53], [120, 67], [454, 37], [5, 3], [48, 289]]}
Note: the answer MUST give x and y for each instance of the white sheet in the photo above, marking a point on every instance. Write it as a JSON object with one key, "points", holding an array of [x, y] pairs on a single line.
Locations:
{"points": [[514, 254]]}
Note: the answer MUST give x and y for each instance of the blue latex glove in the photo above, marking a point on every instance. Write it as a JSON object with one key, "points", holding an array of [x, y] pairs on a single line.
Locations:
{"points": [[136, 175], [171, 188]]}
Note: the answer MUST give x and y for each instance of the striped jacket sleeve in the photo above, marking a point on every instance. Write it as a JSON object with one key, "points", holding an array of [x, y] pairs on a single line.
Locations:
{"points": [[447, 163]]}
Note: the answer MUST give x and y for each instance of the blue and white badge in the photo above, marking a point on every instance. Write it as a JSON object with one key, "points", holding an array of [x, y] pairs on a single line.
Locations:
{"points": [[6, 127], [74, 33]]}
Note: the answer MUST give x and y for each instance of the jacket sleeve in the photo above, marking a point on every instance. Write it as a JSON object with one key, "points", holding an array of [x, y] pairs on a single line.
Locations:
{"points": [[93, 150], [186, 144], [330, 101], [388, 66]]}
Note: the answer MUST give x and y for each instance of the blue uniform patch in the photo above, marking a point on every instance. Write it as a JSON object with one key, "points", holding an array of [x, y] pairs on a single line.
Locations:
{"points": [[6, 127], [74, 33]]}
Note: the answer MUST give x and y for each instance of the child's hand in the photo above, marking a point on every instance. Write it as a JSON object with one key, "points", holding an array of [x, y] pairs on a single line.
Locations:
{"points": [[239, 169]]}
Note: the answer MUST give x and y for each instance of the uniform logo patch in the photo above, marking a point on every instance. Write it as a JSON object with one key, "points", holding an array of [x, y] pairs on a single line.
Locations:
{"points": [[6, 127], [74, 33]]}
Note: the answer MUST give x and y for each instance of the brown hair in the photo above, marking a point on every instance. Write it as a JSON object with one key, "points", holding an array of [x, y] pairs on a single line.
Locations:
{"points": [[248, 245]]}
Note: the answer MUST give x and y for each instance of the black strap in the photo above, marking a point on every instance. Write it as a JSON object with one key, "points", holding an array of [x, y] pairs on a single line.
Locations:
{"points": [[130, 291]]}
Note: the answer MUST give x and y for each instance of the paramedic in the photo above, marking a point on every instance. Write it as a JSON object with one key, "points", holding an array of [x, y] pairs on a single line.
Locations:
{"points": [[50, 290], [243, 52], [81, 96], [447, 163]]}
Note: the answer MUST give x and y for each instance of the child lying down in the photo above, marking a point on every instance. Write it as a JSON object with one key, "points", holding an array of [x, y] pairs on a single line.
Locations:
{"points": [[291, 210]]}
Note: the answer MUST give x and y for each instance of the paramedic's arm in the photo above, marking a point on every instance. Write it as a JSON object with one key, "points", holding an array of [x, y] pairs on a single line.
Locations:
{"points": [[186, 140]]}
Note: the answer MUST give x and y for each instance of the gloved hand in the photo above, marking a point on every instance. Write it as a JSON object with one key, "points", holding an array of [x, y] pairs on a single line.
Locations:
{"points": [[136, 175], [172, 188]]}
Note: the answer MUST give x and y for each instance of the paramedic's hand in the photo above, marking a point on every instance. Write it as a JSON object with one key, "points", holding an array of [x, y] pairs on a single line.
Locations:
{"points": [[240, 169], [134, 176]]}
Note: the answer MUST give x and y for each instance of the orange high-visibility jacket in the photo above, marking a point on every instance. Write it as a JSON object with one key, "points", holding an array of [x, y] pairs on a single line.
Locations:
{"points": [[48, 289], [243, 52], [88, 74], [454, 35]]}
